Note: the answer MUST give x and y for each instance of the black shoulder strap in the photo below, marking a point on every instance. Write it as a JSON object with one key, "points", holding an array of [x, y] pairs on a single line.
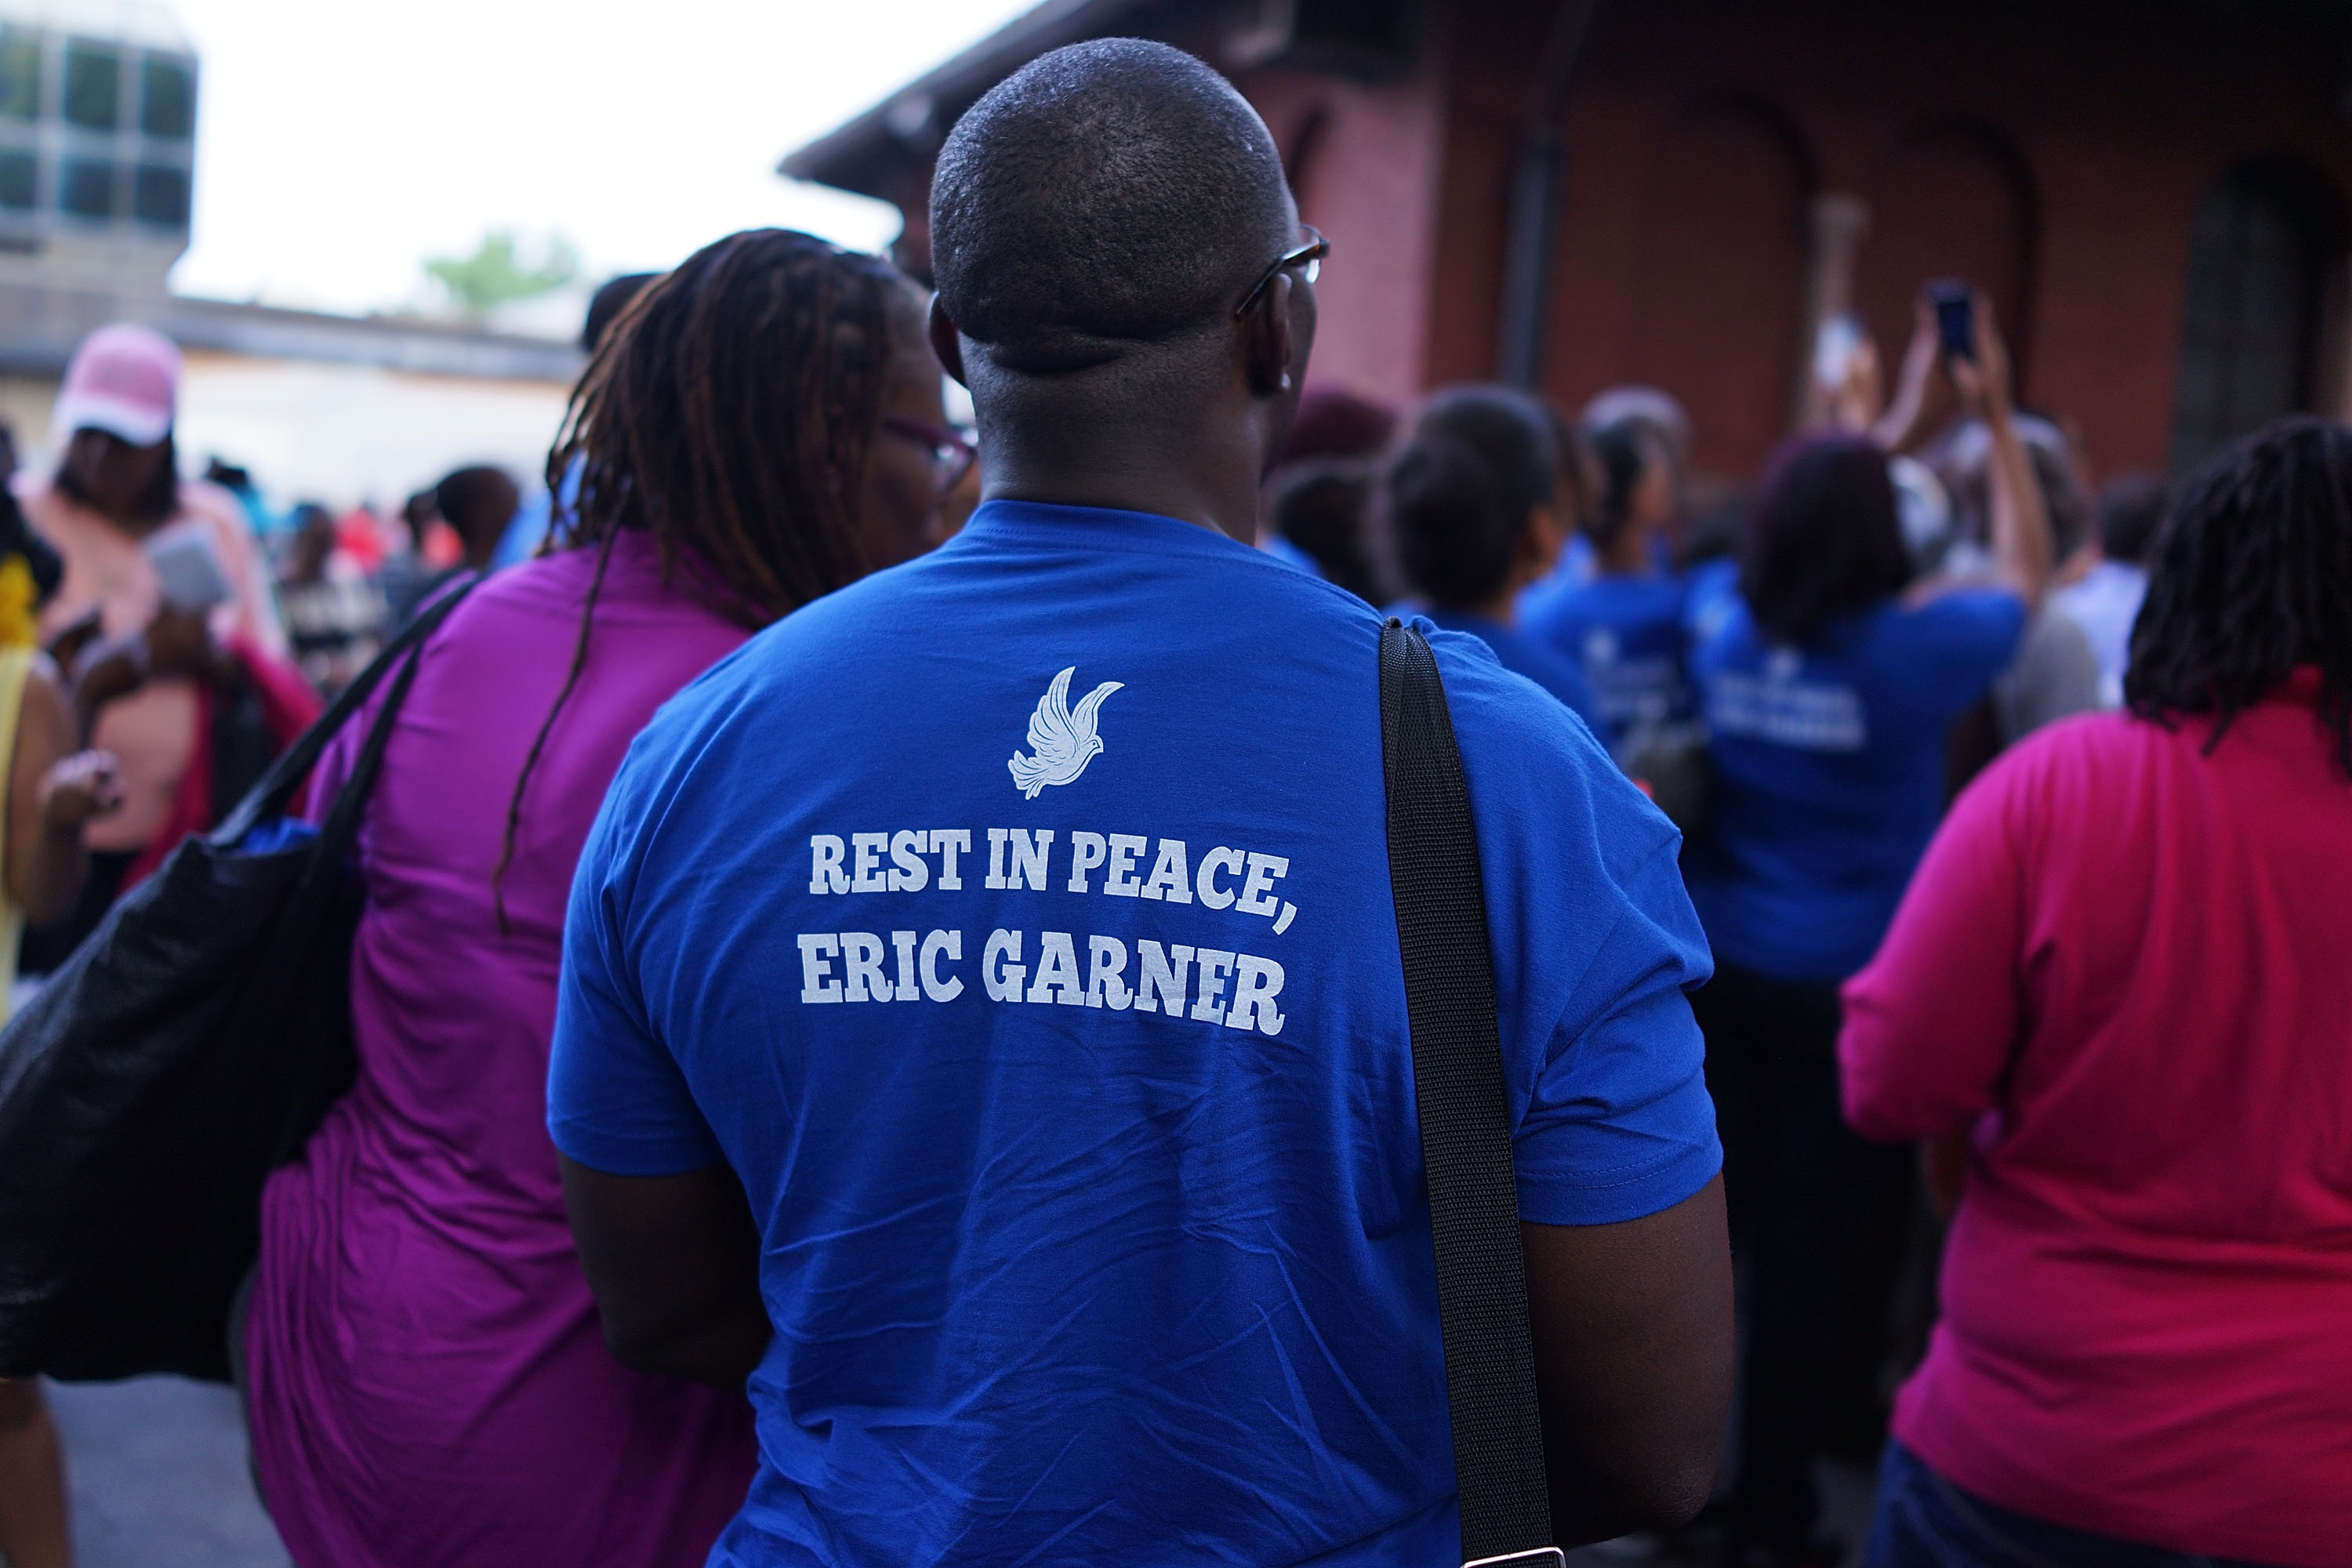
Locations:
{"points": [[270, 797], [1466, 1140]]}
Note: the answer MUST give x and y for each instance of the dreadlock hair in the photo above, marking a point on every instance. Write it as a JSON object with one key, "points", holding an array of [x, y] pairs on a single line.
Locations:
{"points": [[2251, 577], [728, 413]]}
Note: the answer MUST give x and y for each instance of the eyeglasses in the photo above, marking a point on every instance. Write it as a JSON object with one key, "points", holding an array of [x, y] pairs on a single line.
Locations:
{"points": [[1309, 256], [952, 453]]}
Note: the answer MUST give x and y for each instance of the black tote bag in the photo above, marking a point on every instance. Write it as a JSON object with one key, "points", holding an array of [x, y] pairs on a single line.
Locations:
{"points": [[187, 1049]]}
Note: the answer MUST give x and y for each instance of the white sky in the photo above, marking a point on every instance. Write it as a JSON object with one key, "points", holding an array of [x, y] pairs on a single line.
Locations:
{"points": [[340, 142]]}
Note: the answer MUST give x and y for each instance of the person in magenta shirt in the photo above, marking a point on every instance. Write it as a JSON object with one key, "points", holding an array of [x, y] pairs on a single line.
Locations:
{"points": [[2119, 991], [426, 1380]]}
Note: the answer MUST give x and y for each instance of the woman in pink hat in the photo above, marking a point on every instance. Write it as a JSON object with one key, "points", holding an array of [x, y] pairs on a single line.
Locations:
{"points": [[164, 615]]}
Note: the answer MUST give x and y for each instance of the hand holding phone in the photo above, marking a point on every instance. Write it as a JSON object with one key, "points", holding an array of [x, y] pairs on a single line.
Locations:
{"points": [[1956, 314], [188, 567]]}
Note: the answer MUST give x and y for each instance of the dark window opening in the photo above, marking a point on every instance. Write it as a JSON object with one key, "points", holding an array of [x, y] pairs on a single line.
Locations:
{"points": [[2250, 321], [167, 98], [85, 187], [20, 181], [93, 86], [160, 196], [20, 73]]}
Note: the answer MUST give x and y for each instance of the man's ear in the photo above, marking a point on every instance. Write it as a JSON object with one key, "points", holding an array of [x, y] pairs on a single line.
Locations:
{"points": [[1265, 341], [947, 343]]}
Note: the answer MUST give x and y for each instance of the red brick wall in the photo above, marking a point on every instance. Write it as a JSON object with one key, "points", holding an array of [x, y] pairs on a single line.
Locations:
{"points": [[2054, 154], [1364, 164]]}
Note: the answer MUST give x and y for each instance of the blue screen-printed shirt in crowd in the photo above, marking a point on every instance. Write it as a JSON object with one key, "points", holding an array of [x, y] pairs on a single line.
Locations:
{"points": [[1017, 924], [1829, 772], [1522, 654], [1624, 631]]}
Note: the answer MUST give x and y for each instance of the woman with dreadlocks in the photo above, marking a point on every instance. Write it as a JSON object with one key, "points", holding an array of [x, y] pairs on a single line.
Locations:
{"points": [[2118, 992], [425, 1377]]}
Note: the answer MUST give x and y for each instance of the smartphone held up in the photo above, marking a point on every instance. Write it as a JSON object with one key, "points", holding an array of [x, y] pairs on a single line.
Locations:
{"points": [[1956, 317]]}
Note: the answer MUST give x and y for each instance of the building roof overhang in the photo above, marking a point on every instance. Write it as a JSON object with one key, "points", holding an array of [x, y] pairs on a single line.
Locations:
{"points": [[876, 153]]}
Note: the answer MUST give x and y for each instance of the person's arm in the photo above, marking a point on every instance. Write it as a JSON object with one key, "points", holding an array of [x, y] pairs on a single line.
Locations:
{"points": [[666, 1237], [2021, 549], [52, 792], [1905, 418], [674, 1264], [1931, 1024], [1634, 1355]]}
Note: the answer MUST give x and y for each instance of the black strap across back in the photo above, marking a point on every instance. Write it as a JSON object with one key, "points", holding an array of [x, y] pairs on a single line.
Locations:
{"points": [[1466, 1140]]}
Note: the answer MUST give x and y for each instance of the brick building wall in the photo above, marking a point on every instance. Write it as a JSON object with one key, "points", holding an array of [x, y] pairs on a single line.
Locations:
{"points": [[1716, 151]]}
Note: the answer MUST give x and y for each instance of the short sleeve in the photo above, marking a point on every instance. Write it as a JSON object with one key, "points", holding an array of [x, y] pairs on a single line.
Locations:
{"points": [[1620, 1124], [616, 1101], [1956, 643]]}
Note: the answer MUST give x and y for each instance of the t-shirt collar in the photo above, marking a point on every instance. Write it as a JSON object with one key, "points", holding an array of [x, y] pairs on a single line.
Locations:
{"points": [[1029, 524]]}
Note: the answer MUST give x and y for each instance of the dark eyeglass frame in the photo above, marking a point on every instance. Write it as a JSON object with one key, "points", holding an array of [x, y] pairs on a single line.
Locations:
{"points": [[1310, 255], [952, 451]]}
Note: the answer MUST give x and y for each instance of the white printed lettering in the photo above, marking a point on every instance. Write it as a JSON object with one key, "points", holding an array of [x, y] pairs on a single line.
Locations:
{"points": [[861, 957], [946, 842], [908, 873], [1169, 877], [826, 850], [1086, 851], [1210, 1004], [1118, 879], [1256, 983], [866, 872], [904, 942], [1057, 969], [817, 983], [1217, 897], [1263, 871], [1002, 979], [1107, 974], [1029, 859], [949, 942], [1155, 973]]}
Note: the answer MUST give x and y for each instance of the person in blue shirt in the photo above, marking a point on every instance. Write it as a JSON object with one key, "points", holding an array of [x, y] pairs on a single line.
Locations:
{"points": [[1829, 687], [1472, 504], [982, 1023], [1625, 626]]}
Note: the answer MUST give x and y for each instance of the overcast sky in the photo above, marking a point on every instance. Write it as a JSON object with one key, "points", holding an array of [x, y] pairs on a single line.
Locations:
{"points": [[341, 142]]}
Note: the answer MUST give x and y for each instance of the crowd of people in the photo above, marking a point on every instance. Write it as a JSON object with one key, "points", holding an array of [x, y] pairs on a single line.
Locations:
{"points": [[1906, 839]]}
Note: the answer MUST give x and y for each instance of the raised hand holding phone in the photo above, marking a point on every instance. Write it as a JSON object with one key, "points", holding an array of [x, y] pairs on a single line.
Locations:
{"points": [[1982, 377]]}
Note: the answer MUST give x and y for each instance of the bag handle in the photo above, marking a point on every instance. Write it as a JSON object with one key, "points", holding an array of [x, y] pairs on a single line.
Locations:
{"points": [[1466, 1137], [268, 798]]}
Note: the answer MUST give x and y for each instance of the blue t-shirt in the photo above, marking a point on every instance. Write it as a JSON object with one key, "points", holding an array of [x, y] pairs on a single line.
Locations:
{"points": [[1017, 924], [1522, 654], [1829, 769], [1625, 632]]}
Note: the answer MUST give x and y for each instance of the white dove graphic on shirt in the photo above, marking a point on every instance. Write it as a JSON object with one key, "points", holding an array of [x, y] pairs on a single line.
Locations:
{"points": [[1064, 739]]}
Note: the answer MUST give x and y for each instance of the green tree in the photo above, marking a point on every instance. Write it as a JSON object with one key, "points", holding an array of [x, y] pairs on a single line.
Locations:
{"points": [[493, 275]]}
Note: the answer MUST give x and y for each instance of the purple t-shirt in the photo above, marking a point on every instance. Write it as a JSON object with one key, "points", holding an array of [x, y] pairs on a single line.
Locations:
{"points": [[428, 1379]]}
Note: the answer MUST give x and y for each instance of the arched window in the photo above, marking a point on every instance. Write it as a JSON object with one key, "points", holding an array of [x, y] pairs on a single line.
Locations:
{"points": [[1950, 200], [2260, 248]]}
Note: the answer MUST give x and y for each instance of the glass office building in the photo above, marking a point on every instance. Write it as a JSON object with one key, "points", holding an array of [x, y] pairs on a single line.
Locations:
{"points": [[96, 125]]}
